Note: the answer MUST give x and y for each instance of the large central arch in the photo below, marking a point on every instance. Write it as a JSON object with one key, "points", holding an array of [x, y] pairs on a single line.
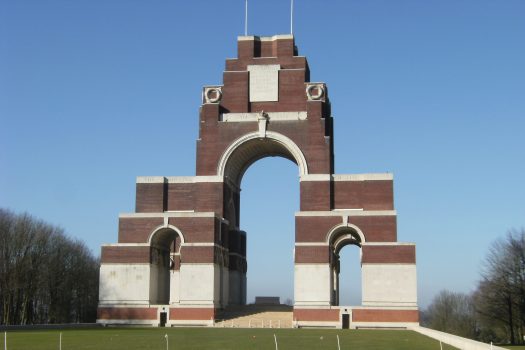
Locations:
{"points": [[251, 147], [232, 165]]}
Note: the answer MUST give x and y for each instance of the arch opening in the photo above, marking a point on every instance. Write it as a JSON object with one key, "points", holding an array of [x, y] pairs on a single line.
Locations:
{"points": [[165, 245], [346, 264], [267, 224], [250, 148]]}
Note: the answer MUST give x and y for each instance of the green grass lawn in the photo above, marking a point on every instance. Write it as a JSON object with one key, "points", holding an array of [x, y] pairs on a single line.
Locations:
{"points": [[217, 339]]}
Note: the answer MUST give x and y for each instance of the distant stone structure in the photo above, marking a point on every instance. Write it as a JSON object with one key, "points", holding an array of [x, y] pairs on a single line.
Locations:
{"points": [[267, 301], [182, 255]]}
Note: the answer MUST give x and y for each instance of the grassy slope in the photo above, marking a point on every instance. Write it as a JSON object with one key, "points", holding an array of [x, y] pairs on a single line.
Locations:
{"points": [[193, 338]]}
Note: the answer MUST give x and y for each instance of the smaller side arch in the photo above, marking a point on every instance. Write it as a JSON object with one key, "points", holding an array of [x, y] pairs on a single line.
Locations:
{"points": [[165, 244], [337, 230], [337, 238], [159, 230], [343, 240]]}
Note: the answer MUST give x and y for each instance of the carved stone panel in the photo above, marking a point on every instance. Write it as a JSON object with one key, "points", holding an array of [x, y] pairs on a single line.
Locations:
{"points": [[264, 82]]}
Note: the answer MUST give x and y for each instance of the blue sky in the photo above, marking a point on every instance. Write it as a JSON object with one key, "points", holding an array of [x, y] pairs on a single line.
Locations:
{"points": [[94, 93]]}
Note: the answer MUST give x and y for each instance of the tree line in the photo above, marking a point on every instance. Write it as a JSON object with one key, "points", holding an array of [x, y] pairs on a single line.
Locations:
{"points": [[45, 276], [495, 311]]}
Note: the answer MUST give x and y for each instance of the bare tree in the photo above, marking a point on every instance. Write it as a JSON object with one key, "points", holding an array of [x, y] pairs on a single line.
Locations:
{"points": [[452, 313], [496, 309], [500, 298], [45, 277]]}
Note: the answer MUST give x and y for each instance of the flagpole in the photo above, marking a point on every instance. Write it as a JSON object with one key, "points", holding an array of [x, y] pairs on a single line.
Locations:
{"points": [[246, 18], [291, 17]]}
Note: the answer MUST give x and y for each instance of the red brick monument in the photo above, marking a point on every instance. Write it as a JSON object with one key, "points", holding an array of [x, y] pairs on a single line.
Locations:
{"points": [[181, 256]]}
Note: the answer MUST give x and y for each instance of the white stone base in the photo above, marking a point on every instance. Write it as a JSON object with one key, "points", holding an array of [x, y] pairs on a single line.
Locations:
{"points": [[389, 285], [384, 325], [224, 285], [316, 324], [235, 288], [124, 284], [152, 323], [312, 285], [190, 323], [174, 287], [195, 286]]}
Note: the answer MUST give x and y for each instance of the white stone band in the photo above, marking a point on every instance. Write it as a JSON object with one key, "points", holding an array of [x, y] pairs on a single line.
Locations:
{"points": [[272, 116], [348, 177], [168, 215], [178, 179], [264, 38], [348, 212]]}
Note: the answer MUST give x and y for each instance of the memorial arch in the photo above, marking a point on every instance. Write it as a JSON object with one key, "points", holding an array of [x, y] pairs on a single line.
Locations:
{"points": [[266, 106]]}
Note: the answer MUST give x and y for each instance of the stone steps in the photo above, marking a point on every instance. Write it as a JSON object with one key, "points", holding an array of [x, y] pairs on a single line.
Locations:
{"points": [[256, 317]]}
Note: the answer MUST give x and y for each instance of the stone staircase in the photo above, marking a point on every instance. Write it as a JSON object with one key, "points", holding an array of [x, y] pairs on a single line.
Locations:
{"points": [[256, 316]]}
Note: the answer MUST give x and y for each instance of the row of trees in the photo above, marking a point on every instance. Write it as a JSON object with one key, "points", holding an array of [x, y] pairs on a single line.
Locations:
{"points": [[45, 277], [495, 311]]}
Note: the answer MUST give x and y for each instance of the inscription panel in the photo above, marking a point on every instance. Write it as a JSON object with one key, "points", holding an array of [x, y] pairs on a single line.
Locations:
{"points": [[264, 82]]}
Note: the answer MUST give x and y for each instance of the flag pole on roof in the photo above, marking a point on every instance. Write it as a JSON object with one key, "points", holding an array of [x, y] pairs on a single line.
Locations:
{"points": [[245, 17], [291, 17]]}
